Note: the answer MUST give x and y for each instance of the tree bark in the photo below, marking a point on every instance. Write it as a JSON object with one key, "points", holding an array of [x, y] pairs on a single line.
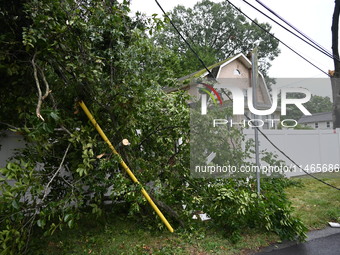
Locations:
{"points": [[335, 77]]}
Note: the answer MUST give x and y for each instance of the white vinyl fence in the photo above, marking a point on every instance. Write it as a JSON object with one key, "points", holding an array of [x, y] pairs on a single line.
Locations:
{"points": [[8, 144], [314, 150]]}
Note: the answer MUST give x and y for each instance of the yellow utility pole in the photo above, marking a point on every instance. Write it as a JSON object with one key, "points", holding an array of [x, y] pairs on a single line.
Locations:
{"points": [[126, 168]]}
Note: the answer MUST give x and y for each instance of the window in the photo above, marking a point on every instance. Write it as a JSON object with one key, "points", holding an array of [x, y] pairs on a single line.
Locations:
{"points": [[237, 72], [328, 124], [316, 124]]}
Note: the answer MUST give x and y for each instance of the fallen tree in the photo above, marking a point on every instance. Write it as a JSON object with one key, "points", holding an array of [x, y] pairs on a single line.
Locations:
{"points": [[57, 52]]}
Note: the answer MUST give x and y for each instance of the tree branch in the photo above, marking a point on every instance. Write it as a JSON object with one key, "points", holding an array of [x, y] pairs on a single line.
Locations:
{"points": [[8, 125], [48, 91], [167, 209], [41, 97], [54, 175], [36, 78]]}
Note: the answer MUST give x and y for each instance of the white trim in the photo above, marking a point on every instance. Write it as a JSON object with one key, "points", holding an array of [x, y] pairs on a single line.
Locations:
{"points": [[266, 88], [248, 64], [245, 61]]}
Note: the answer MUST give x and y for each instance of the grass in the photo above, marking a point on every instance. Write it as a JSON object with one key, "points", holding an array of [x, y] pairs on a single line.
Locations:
{"points": [[122, 235], [314, 202]]}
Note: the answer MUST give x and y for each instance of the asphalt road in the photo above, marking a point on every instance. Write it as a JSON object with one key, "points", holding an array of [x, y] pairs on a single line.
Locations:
{"points": [[321, 242]]}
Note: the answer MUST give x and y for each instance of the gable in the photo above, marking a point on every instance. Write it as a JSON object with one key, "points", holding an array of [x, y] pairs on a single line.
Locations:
{"points": [[238, 66], [235, 69]]}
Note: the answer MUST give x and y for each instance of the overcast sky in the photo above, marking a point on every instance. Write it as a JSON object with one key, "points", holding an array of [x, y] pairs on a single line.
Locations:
{"points": [[313, 17]]}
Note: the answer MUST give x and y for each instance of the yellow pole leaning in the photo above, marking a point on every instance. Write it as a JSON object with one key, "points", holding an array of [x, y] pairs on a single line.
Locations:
{"points": [[126, 168]]}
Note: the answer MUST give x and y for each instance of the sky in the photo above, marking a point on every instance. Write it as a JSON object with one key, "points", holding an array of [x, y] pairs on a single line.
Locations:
{"points": [[312, 17]]}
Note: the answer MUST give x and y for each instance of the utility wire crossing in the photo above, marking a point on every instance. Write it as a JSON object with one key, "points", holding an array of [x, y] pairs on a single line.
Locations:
{"points": [[324, 50], [290, 48], [309, 41]]}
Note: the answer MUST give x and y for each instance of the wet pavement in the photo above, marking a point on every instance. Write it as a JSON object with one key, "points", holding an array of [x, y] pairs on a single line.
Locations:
{"points": [[319, 242]]}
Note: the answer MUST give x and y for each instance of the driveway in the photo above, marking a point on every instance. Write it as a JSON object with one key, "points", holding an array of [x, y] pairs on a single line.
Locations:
{"points": [[319, 242]]}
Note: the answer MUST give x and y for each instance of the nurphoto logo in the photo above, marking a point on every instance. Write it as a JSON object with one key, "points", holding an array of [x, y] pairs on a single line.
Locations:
{"points": [[238, 97]]}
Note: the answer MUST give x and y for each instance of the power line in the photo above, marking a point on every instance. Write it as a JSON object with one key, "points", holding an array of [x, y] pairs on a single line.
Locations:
{"points": [[293, 161], [265, 30], [209, 72], [297, 30], [312, 43]]}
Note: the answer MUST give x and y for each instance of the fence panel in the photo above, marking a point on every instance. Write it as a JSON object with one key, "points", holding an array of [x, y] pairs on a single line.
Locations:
{"points": [[315, 150]]}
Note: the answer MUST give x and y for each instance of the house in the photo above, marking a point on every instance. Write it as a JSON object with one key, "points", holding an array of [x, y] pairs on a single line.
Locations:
{"points": [[239, 68], [322, 120]]}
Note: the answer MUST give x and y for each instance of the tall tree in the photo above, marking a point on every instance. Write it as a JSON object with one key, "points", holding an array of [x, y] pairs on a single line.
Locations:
{"points": [[335, 79], [216, 31]]}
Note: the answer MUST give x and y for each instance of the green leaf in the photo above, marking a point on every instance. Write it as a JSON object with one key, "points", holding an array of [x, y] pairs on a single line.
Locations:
{"points": [[67, 217], [54, 116], [70, 223], [15, 204], [41, 223]]}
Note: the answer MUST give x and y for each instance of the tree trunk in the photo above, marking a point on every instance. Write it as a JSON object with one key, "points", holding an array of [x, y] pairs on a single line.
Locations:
{"points": [[335, 78]]}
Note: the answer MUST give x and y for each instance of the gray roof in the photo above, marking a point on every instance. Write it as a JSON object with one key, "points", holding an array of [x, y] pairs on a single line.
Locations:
{"points": [[316, 117]]}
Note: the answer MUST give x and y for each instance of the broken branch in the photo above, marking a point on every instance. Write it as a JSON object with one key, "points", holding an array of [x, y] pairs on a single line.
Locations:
{"points": [[36, 78], [41, 97]]}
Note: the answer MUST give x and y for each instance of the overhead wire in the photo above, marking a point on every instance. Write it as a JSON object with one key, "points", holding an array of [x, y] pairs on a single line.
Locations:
{"points": [[265, 30], [308, 41], [213, 76], [298, 31]]}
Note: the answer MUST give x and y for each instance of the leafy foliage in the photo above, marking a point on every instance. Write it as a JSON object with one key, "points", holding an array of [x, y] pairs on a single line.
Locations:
{"points": [[268, 211], [216, 31], [54, 53]]}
